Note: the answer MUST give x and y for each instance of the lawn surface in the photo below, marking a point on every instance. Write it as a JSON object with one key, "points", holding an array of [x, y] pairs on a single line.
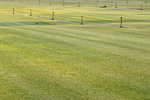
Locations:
{"points": [[63, 60]]}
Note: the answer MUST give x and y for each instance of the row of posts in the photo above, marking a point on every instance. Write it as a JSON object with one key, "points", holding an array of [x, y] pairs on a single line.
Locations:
{"points": [[141, 6], [20, 1], [63, 3], [53, 17], [116, 6]]}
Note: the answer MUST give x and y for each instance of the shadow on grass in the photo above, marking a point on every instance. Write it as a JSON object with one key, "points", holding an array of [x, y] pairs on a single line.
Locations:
{"points": [[32, 23], [61, 22], [117, 21], [102, 21]]}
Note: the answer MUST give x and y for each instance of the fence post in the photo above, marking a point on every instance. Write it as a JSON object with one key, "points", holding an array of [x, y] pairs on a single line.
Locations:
{"points": [[53, 15], [30, 12], [96, 4], [78, 4], [81, 20], [141, 7], [116, 5], [13, 11], [63, 3], [120, 21], [50, 3], [145, 2]]}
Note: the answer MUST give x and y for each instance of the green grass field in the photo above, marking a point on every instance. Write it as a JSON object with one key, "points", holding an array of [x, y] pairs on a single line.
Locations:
{"points": [[63, 60]]}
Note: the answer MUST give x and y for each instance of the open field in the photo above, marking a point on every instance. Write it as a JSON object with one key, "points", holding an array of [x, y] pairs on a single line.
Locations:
{"points": [[63, 60]]}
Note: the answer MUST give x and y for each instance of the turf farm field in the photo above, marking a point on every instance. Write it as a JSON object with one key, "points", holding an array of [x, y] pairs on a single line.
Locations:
{"points": [[60, 59]]}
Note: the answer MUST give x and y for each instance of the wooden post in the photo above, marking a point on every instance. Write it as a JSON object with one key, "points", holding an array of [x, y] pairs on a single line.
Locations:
{"points": [[13, 11], [30, 12], [116, 5], [145, 2], [53, 16], [96, 4], [50, 3], [121, 22], [141, 7], [81, 20], [78, 4], [63, 3]]}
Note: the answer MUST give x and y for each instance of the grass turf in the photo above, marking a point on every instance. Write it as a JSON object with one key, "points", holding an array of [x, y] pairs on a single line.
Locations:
{"points": [[62, 59]]}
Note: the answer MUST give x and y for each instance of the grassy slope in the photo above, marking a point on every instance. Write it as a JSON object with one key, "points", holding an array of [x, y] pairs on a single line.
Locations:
{"points": [[61, 60]]}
